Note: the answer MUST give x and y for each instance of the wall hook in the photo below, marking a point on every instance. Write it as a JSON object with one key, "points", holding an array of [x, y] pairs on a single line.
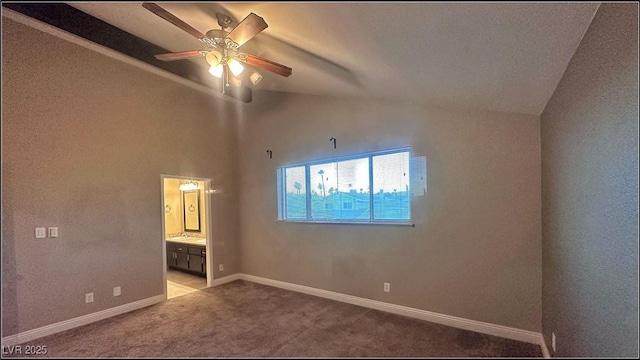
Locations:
{"points": [[270, 153], [334, 142]]}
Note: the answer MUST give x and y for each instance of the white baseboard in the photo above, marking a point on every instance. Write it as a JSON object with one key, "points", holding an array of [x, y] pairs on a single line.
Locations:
{"points": [[224, 280], [79, 321], [93, 317], [453, 321], [545, 349]]}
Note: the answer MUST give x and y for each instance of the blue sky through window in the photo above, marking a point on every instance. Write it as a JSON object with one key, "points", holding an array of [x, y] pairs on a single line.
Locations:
{"points": [[340, 190]]}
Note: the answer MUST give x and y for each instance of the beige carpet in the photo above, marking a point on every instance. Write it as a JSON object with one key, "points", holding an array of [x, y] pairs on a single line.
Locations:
{"points": [[243, 319]]}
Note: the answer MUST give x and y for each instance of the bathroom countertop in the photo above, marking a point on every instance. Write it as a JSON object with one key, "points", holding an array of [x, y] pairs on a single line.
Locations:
{"points": [[188, 240]]}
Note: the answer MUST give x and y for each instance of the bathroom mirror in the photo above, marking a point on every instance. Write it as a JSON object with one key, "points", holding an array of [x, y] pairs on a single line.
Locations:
{"points": [[191, 209]]}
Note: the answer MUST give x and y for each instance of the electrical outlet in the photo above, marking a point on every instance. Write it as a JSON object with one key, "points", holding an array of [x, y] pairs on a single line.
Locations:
{"points": [[387, 287], [88, 298], [117, 291], [221, 267], [553, 341]]}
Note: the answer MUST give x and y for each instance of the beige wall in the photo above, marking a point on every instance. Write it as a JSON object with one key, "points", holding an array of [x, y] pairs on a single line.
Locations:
{"points": [[174, 219], [475, 250], [85, 139], [590, 193]]}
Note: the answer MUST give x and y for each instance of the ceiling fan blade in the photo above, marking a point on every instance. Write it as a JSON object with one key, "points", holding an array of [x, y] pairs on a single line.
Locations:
{"points": [[180, 55], [267, 65], [251, 26], [172, 19]]}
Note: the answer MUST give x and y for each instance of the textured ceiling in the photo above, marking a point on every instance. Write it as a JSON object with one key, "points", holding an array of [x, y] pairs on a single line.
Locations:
{"points": [[490, 56]]}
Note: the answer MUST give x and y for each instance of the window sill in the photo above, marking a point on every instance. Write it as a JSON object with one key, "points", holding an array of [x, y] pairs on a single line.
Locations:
{"points": [[388, 223]]}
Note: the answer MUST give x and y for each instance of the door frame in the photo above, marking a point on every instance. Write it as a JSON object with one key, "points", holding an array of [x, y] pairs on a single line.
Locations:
{"points": [[209, 241]]}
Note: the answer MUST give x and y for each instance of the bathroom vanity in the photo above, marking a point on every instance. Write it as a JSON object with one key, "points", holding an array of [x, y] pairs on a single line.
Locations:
{"points": [[188, 255]]}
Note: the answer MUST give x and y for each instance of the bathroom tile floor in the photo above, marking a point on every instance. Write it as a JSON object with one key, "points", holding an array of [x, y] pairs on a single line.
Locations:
{"points": [[180, 283]]}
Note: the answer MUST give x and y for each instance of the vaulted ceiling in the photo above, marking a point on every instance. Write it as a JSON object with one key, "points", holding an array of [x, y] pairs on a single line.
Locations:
{"points": [[489, 56]]}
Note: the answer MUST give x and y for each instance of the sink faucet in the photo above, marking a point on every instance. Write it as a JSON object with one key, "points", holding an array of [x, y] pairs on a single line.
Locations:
{"points": [[185, 235]]}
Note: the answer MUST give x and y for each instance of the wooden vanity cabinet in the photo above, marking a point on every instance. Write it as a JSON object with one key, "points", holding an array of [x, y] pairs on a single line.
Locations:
{"points": [[171, 254], [195, 259], [186, 257]]}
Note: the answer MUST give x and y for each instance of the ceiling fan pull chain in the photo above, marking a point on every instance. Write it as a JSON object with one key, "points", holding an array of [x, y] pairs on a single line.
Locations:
{"points": [[223, 78]]}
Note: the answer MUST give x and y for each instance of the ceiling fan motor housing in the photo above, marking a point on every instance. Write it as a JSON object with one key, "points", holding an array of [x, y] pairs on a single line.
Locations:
{"points": [[217, 35], [215, 38]]}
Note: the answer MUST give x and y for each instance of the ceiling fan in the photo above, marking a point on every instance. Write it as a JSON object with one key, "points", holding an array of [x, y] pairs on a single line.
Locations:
{"points": [[223, 48]]}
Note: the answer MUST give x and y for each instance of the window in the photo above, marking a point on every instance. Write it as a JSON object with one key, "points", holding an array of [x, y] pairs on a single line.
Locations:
{"points": [[296, 186], [366, 188]]}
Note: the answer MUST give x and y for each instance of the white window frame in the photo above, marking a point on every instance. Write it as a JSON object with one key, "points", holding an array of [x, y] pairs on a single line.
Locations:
{"points": [[370, 155]]}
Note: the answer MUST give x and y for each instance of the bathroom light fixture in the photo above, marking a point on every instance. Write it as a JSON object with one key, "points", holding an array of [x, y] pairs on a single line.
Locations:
{"points": [[188, 185]]}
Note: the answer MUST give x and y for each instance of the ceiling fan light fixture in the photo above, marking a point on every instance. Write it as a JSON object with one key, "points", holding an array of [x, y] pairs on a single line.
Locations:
{"points": [[216, 70], [255, 77], [235, 66], [213, 57], [222, 49]]}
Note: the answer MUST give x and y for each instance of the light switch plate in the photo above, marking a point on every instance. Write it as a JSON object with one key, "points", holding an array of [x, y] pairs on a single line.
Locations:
{"points": [[41, 233], [53, 232]]}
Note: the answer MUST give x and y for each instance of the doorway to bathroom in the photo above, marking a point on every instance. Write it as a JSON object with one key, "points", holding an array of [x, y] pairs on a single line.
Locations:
{"points": [[186, 241]]}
